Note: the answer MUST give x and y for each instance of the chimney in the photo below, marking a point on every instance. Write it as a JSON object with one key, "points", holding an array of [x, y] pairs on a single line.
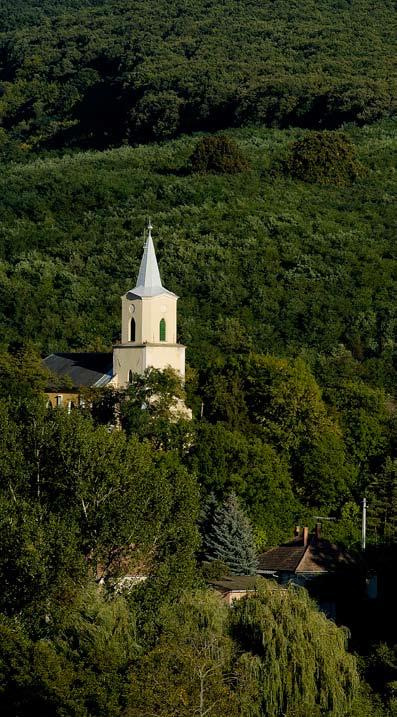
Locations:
{"points": [[305, 536], [318, 531]]}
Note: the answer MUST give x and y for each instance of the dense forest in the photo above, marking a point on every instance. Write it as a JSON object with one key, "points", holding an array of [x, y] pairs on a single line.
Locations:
{"points": [[104, 73], [261, 140]]}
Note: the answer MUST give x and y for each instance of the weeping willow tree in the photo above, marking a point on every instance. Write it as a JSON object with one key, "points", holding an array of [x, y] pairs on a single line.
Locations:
{"points": [[101, 628], [298, 657]]}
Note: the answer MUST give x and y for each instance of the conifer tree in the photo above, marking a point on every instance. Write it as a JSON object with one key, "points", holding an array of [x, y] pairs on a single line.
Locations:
{"points": [[230, 538]]}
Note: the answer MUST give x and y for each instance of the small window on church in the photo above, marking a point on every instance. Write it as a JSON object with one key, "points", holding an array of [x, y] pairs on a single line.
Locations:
{"points": [[130, 377], [132, 330], [162, 330]]}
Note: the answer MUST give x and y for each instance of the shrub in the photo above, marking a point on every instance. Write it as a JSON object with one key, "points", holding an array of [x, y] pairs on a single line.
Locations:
{"points": [[324, 158], [218, 155]]}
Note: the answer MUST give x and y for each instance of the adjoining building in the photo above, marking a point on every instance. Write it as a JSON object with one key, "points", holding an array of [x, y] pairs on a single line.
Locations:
{"points": [[148, 340], [234, 587]]}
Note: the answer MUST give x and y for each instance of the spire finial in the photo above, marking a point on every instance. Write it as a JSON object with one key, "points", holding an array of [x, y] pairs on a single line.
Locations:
{"points": [[149, 228]]}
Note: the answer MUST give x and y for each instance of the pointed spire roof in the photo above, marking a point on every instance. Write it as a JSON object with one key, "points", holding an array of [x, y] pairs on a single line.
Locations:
{"points": [[148, 282]]}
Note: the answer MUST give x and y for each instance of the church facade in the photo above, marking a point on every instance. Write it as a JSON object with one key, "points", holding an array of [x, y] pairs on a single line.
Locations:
{"points": [[148, 340]]}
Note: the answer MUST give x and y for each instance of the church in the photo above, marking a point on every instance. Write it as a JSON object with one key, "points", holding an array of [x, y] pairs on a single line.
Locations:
{"points": [[148, 340]]}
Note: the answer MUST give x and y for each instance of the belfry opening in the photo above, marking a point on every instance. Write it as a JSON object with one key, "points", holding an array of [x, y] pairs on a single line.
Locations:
{"points": [[132, 329]]}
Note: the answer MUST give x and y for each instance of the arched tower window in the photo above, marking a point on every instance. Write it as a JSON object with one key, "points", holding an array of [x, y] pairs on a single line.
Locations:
{"points": [[162, 330], [130, 376], [132, 330]]}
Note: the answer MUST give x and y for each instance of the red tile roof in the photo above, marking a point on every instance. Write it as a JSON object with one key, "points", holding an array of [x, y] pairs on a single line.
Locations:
{"points": [[319, 556], [284, 557]]}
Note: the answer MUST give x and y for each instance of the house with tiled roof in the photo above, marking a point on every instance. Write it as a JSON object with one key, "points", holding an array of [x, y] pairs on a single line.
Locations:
{"points": [[310, 561], [306, 556]]}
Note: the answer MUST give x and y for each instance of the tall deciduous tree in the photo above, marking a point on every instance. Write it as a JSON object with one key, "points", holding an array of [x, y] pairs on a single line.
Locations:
{"points": [[76, 666], [189, 670], [152, 395], [284, 398], [366, 424], [382, 504], [226, 461], [70, 489], [22, 373]]}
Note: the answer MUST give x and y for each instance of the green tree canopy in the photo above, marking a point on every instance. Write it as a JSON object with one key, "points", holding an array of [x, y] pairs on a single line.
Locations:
{"points": [[72, 490], [188, 672], [77, 665], [226, 461], [298, 656]]}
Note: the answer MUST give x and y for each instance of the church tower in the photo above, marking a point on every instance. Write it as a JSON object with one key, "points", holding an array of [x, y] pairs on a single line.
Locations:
{"points": [[148, 324]]}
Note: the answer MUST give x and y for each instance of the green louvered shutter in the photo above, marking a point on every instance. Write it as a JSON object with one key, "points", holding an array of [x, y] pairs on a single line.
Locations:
{"points": [[162, 330]]}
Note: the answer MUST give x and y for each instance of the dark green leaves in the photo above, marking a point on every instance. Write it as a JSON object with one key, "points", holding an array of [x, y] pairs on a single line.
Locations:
{"points": [[324, 158], [218, 154]]}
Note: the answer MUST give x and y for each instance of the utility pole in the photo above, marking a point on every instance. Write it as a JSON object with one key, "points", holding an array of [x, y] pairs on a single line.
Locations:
{"points": [[364, 525]]}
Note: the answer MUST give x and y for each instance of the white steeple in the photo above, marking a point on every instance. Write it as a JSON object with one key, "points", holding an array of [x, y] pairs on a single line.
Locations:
{"points": [[148, 324], [148, 282]]}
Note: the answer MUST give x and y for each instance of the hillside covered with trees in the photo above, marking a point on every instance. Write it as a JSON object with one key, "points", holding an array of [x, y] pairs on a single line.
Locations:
{"points": [[261, 140], [99, 73], [261, 261], [287, 310]]}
